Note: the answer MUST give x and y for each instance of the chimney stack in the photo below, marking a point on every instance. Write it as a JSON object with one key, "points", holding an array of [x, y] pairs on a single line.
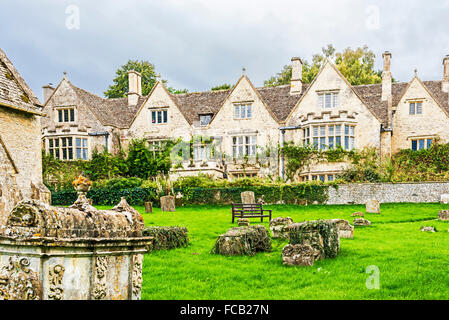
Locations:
{"points": [[445, 83], [48, 91], [387, 95], [134, 87], [296, 81]]}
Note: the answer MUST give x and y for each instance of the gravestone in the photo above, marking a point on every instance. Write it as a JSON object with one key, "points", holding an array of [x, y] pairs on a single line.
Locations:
{"points": [[443, 215], [278, 227], [372, 206], [148, 207], [248, 197], [243, 222], [358, 214], [168, 203], [298, 255], [428, 229], [444, 198]]}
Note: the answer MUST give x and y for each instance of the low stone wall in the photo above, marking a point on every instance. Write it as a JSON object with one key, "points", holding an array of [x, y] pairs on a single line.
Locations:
{"points": [[359, 193]]}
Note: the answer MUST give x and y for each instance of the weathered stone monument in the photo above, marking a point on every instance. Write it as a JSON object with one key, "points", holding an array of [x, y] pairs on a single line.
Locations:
{"points": [[321, 235], [443, 215], [278, 227], [372, 206], [243, 222], [148, 207], [298, 255], [248, 197], [243, 241], [168, 203], [58, 253], [345, 230]]}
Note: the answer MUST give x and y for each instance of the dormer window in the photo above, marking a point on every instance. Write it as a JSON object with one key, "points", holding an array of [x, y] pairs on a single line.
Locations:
{"points": [[159, 116], [243, 111], [66, 115], [205, 119], [328, 100]]}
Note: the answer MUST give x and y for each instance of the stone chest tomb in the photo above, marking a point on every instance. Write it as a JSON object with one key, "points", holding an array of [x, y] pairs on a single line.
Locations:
{"points": [[56, 253]]}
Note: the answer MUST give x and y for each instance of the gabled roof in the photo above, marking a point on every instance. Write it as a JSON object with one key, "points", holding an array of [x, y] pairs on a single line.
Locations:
{"points": [[110, 112], [441, 97], [14, 92]]}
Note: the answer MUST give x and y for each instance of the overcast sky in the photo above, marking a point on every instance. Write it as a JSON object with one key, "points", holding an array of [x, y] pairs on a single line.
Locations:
{"points": [[198, 44]]}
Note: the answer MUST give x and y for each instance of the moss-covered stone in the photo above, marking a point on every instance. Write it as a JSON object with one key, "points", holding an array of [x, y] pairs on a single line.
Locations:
{"points": [[166, 238], [243, 241], [321, 235]]}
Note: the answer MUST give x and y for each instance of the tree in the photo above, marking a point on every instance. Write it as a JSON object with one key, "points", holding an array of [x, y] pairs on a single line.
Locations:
{"points": [[120, 87], [222, 87], [356, 65]]}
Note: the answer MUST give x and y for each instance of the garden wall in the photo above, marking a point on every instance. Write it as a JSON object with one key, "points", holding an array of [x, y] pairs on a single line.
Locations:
{"points": [[359, 193]]}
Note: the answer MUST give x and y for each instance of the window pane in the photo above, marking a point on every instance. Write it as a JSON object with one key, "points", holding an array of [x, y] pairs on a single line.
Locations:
{"points": [[159, 117], [429, 143], [315, 131], [351, 132], [234, 152], [153, 117], [85, 154], [57, 143], [322, 143], [78, 142], [321, 100], [346, 130], [57, 154], [70, 141], [253, 139], [338, 141], [421, 144], [331, 130], [412, 108], [64, 154], [347, 143], [60, 116], [234, 140], [322, 178], [247, 139], [240, 140], [78, 153], [330, 177], [249, 111], [338, 130], [331, 142], [240, 150], [165, 116], [322, 131], [64, 142], [419, 108], [72, 114], [328, 100], [50, 143], [66, 115], [351, 143], [335, 100], [236, 112], [85, 143], [414, 145], [315, 142]]}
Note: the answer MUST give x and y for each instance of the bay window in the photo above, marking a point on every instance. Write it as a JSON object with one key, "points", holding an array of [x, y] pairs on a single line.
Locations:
{"points": [[68, 148], [330, 136], [243, 146]]}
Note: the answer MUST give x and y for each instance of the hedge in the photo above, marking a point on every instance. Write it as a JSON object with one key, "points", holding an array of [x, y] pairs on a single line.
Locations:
{"points": [[284, 194]]}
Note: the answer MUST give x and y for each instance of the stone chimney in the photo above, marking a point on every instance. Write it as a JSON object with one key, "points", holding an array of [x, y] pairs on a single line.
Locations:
{"points": [[48, 91], [296, 81], [387, 95], [445, 83], [135, 87]]}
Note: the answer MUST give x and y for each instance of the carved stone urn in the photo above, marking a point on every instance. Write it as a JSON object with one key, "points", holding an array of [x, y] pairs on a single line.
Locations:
{"points": [[82, 185]]}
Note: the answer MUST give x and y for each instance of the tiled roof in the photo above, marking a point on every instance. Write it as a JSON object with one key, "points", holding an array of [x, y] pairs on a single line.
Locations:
{"points": [[110, 112], [14, 92], [434, 88], [279, 99], [192, 105]]}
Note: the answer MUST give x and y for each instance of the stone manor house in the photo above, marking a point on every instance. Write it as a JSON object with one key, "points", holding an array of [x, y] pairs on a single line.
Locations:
{"points": [[245, 122]]}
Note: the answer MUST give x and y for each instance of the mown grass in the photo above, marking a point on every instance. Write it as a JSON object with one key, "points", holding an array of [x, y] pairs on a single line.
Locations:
{"points": [[412, 264]]}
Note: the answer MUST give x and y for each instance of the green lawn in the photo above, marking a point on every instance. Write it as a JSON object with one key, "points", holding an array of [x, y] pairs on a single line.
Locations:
{"points": [[413, 264]]}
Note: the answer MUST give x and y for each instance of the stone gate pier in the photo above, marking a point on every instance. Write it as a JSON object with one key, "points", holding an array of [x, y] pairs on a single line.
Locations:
{"points": [[55, 253]]}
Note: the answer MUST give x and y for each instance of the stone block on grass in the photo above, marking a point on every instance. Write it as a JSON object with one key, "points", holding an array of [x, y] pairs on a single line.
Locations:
{"points": [[443, 215], [243, 241], [278, 227], [298, 255], [444, 198], [360, 222], [321, 235], [345, 230], [168, 203], [248, 197], [243, 222]]}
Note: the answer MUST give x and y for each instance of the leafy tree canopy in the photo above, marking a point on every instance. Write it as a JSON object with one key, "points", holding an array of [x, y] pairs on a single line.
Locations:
{"points": [[356, 65], [120, 87], [222, 87]]}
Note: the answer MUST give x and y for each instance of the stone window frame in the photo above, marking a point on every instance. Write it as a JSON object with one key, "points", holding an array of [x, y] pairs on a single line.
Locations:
{"points": [[209, 115], [246, 106], [60, 112], [421, 143], [154, 117], [415, 103], [334, 134], [319, 176], [246, 143], [58, 146], [156, 145], [334, 99]]}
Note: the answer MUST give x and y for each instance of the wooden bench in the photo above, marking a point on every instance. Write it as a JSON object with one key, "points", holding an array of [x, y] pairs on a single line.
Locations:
{"points": [[249, 210]]}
